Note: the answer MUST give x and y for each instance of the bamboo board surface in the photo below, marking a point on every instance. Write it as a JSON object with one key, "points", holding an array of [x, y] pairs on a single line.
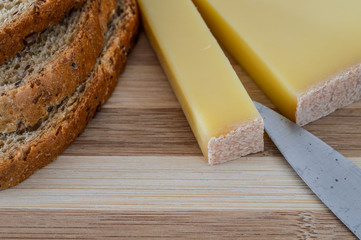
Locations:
{"points": [[137, 172]]}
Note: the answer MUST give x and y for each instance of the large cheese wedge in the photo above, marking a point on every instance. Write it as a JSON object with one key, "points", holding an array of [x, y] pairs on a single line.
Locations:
{"points": [[305, 55], [218, 109]]}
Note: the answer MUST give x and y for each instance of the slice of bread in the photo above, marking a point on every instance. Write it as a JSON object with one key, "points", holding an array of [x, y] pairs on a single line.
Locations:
{"points": [[46, 72], [22, 154], [22, 20]]}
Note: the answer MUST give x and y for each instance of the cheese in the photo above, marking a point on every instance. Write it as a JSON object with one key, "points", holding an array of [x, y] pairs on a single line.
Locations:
{"points": [[222, 116], [305, 55]]}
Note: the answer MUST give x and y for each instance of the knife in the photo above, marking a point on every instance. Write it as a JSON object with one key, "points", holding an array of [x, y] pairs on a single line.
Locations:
{"points": [[335, 180]]}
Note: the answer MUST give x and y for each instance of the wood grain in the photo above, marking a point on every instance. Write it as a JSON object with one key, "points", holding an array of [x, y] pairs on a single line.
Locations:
{"points": [[260, 225], [163, 183], [137, 173]]}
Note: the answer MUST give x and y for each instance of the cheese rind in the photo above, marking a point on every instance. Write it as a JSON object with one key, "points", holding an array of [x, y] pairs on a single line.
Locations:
{"points": [[298, 52], [212, 97]]}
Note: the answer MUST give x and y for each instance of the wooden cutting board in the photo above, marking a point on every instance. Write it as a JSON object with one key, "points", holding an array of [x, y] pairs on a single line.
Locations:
{"points": [[137, 172]]}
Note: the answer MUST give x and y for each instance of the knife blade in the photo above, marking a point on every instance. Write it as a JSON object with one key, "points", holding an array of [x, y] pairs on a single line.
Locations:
{"points": [[333, 178]]}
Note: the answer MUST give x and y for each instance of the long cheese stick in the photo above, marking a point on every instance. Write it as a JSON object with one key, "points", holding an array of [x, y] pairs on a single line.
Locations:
{"points": [[219, 110]]}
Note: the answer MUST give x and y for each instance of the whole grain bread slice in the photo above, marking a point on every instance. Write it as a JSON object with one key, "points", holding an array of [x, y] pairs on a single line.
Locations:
{"points": [[46, 72], [22, 20], [22, 154]]}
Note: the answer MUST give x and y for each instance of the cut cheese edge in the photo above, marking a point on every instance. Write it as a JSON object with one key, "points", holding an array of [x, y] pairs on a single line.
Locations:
{"points": [[222, 116], [305, 55]]}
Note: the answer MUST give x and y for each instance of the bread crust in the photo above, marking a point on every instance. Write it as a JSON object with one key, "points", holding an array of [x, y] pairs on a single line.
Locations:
{"points": [[42, 14], [36, 153], [23, 106]]}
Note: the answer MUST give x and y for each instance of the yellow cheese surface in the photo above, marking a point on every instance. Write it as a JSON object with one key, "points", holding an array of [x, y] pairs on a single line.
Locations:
{"points": [[209, 91], [285, 45]]}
